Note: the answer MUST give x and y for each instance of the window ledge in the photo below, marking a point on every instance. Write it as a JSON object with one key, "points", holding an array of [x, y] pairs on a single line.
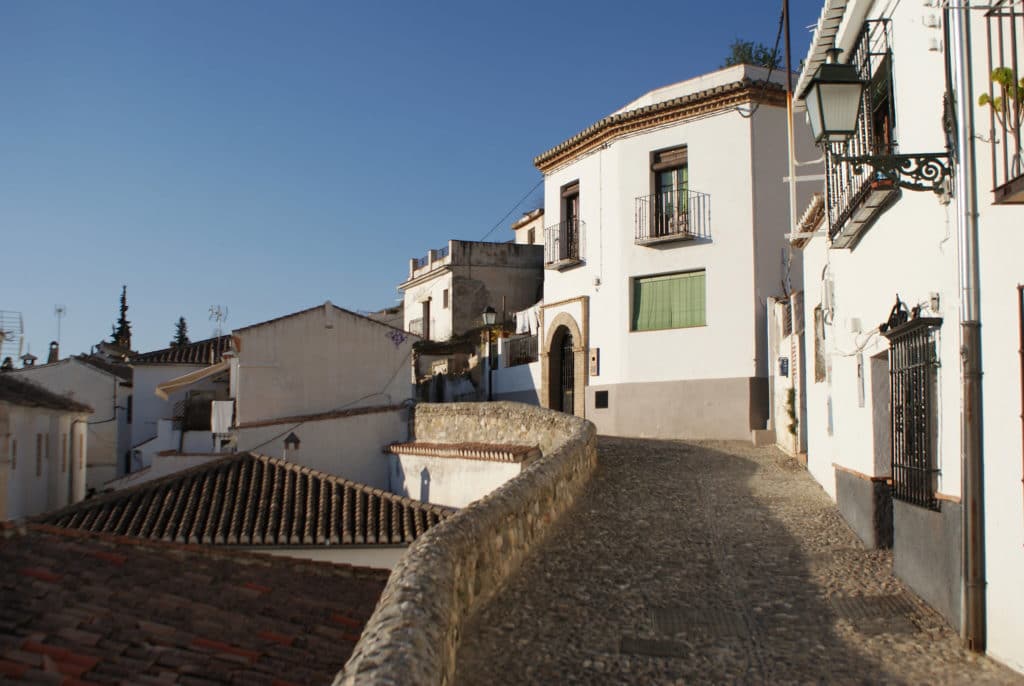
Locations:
{"points": [[682, 236], [565, 263], [1011, 192]]}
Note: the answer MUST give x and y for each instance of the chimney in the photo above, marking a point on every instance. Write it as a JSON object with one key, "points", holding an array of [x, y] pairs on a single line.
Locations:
{"points": [[54, 352]]}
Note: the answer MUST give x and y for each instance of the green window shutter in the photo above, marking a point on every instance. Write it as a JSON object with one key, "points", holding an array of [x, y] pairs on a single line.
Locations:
{"points": [[672, 301]]}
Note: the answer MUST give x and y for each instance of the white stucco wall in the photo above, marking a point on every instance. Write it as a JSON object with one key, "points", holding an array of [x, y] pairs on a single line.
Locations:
{"points": [[320, 360], [349, 447], [148, 408], [453, 482], [430, 286], [54, 477], [375, 556], [107, 395]]}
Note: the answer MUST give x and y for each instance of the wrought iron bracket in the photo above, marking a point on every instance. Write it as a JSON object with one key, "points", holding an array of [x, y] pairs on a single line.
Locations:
{"points": [[924, 172]]}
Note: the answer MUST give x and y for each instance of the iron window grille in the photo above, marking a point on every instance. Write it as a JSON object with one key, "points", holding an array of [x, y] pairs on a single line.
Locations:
{"points": [[847, 186], [1005, 32], [521, 350], [912, 382]]}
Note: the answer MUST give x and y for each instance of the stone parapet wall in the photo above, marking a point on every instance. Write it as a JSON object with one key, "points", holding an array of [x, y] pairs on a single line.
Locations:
{"points": [[414, 633]]}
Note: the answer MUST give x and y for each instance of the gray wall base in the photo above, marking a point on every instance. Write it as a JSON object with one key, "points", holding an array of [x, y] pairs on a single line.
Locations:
{"points": [[694, 408], [867, 508], [926, 555]]}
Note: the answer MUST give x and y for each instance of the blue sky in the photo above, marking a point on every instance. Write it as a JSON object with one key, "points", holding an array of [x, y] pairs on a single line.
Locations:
{"points": [[268, 156]]}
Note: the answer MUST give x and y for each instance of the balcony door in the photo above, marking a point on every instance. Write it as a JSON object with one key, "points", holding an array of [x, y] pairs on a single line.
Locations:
{"points": [[671, 192]]}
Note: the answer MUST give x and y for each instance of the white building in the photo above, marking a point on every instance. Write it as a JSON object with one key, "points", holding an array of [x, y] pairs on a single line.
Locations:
{"points": [[665, 236], [43, 449], [889, 427], [335, 380], [105, 387], [177, 419]]}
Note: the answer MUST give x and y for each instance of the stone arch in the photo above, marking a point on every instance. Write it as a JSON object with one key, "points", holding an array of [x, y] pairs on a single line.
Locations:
{"points": [[562, 324]]}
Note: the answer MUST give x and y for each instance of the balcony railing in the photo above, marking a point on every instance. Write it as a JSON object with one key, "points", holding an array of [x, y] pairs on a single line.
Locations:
{"points": [[856, 196], [676, 215], [416, 326], [1006, 99], [563, 244], [439, 254], [521, 350]]}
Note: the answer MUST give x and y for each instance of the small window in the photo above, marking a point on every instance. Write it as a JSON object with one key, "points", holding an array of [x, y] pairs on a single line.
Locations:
{"points": [[444, 299], [669, 301], [601, 399], [530, 236]]}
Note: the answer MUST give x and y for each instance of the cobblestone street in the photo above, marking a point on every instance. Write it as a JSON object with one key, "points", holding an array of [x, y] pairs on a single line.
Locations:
{"points": [[709, 562]]}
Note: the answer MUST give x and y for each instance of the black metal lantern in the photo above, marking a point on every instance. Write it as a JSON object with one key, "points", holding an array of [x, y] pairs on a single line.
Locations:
{"points": [[833, 101], [489, 316]]}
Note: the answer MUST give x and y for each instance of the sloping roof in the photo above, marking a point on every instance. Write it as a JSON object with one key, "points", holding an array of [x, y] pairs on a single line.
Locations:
{"points": [[248, 499], [27, 394], [105, 609], [324, 306], [668, 111], [208, 351], [122, 371]]}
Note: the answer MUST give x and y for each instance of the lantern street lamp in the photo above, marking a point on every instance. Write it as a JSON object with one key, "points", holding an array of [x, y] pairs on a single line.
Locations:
{"points": [[834, 98], [489, 317]]}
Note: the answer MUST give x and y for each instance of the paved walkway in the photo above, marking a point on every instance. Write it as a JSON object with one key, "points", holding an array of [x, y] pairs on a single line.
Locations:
{"points": [[709, 562]]}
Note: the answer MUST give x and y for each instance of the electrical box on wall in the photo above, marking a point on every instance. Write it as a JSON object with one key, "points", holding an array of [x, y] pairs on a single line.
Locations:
{"points": [[595, 356]]}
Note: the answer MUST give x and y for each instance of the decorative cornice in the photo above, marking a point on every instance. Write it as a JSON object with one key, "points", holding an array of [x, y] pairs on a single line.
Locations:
{"points": [[671, 111]]}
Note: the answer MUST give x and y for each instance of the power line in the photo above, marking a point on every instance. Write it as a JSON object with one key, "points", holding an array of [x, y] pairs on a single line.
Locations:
{"points": [[771, 68], [507, 214]]}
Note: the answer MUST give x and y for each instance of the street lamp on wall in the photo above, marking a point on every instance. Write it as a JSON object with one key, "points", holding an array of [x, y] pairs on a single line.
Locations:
{"points": [[489, 317], [834, 99]]}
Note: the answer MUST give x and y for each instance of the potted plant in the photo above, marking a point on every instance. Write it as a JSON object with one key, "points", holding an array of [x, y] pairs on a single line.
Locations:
{"points": [[1008, 107]]}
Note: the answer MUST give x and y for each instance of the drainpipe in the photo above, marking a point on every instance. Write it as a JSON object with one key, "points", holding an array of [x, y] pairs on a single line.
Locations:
{"points": [[972, 624]]}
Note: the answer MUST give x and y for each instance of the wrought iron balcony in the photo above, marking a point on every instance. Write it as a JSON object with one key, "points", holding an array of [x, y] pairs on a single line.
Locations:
{"points": [[676, 215], [856, 194], [1005, 99], [521, 350], [563, 244]]}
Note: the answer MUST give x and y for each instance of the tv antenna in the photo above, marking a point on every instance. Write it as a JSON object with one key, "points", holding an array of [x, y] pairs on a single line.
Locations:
{"points": [[12, 332], [59, 311], [220, 315]]}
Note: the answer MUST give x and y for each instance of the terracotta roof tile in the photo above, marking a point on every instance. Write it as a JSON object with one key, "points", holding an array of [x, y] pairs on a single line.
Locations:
{"points": [[149, 621], [488, 452], [248, 499], [208, 351], [27, 394]]}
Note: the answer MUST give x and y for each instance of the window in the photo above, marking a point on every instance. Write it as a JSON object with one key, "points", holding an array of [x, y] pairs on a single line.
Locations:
{"points": [[601, 400], [912, 364], [563, 241], [531, 236], [128, 419], [669, 301], [444, 299], [671, 191]]}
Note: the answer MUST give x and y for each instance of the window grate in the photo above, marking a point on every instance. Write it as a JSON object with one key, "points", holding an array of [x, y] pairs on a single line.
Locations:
{"points": [[912, 365]]}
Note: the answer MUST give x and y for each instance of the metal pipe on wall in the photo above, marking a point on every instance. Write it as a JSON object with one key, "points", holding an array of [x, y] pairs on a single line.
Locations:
{"points": [[972, 624]]}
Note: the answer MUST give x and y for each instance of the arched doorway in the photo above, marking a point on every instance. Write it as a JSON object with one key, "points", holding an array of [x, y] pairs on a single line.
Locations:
{"points": [[562, 370]]}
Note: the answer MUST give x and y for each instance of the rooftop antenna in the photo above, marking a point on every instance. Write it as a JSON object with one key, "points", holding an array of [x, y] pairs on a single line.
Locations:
{"points": [[59, 311], [220, 315], [12, 332]]}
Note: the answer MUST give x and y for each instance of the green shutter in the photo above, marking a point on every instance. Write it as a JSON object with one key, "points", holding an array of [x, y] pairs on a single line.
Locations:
{"points": [[673, 301]]}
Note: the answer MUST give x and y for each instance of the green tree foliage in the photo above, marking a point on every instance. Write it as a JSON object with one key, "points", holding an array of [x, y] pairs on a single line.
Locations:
{"points": [[749, 52], [1008, 106], [180, 334], [121, 333]]}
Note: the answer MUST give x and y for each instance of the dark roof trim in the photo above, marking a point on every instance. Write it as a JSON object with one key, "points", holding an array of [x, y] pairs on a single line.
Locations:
{"points": [[27, 394], [677, 109], [208, 351]]}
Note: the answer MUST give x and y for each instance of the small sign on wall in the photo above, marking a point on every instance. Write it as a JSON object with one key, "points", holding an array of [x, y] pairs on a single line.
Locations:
{"points": [[595, 356], [783, 366]]}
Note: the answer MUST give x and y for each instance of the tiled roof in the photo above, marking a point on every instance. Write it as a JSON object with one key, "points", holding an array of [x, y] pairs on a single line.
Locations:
{"points": [[87, 609], [20, 392], [487, 452], [248, 499], [207, 351]]}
